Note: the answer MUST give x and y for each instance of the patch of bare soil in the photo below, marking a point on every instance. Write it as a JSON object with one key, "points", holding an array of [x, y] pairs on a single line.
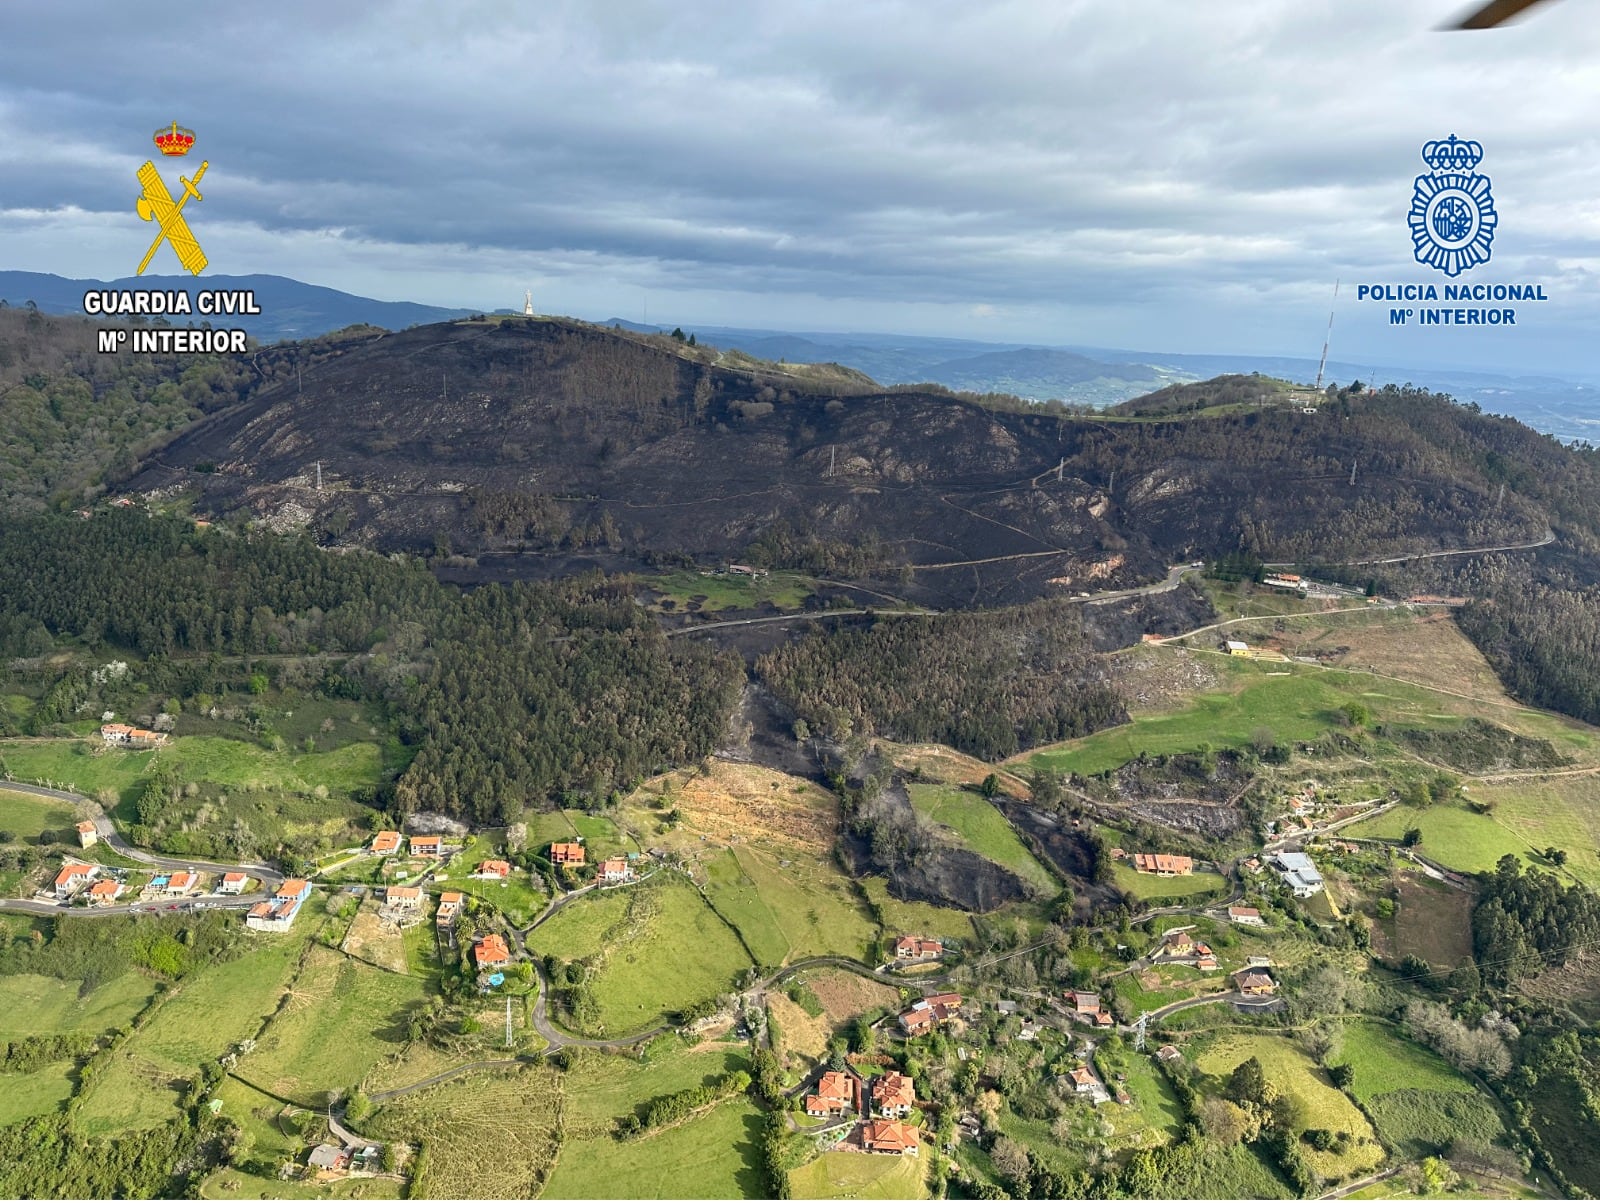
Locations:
{"points": [[844, 995], [1575, 984], [1158, 679], [936, 762], [1431, 921], [376, 942], [798, 1033], [748, 803]]}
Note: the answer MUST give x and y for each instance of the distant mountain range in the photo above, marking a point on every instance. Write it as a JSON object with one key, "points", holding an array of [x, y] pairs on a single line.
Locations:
{"points": [[289, 309], [1566, 408]]}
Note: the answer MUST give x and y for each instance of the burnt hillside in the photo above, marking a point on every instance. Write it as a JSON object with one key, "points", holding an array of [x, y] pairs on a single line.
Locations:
{"points": [[531, 444]]}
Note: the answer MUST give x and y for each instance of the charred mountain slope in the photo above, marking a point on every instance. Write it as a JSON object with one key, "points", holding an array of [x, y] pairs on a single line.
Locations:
{"points": [[532, 442]]}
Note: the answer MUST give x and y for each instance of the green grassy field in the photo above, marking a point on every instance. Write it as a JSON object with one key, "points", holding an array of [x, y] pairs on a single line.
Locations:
{"points": [[915, 918], [1290, 1070], [785, 590], [343, 1018], [713, 1156], [578, 929], [983, 829], [197, 1022], [683, 955], [1148, 885], [25, 815], [1299, 705], [39, 1093], [859, 1176], [601, 836], [40, 1005], [614, 1085], [1384, 1062], [1451, 835], [1563, 812], [788, 910]]}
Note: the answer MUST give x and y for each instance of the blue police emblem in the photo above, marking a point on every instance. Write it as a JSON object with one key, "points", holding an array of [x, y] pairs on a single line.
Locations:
{"points": [[1452, 215]]}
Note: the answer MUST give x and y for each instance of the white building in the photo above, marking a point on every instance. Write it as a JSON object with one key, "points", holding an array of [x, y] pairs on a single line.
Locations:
{"points": [[1298, 873]]}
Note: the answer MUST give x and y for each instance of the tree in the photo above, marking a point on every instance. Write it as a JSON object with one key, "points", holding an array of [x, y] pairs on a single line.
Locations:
{"points": [[1343, 1076], [1355, 714], [990, 786], [1228, 1123], [1556, 856], [1412, 838], [1263, 740], [679, 335], [1248, 1083]]}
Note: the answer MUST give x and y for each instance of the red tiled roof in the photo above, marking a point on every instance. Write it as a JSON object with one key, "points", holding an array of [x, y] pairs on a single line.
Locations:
{"points": [[498, 868], [566, 854], [894, 1089], [1243, 912], [386, 841], [916, 946], [71, 870], [889, 1136], [291, 887], [85, 827], [491, 950], [102, 889], [1161, 862]]}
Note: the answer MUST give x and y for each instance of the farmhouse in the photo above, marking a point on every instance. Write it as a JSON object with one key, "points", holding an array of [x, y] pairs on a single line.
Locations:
{"points": [[431, 846], [889, 1136], [328, 1159], [493, 870], [1177, 943], [87, 834], [927, 1013], [1298, 873], [232, 883], [1284, 580], [104, 892], [1254, 981], [1247, 915], [837, 1092], [403, 898], [73, 877], [449, 907], [278, 913], [1084, 1003], [915, 948], [1083, 1080], [894, 1095], [614, 869], [122, 735], [385, 843], [1163, 865], [566, 854], [1168, 1053]]}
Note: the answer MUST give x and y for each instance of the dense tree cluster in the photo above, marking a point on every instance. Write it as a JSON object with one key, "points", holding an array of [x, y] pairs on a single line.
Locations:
{"points": [[989, 683], [512, 695], [1525, 920]]}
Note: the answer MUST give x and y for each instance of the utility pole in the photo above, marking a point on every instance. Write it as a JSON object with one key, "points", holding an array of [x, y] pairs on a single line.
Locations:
{"points": [[832, 451], [319, 476], [508, 1021], [1060, 468], [1352, 474]]}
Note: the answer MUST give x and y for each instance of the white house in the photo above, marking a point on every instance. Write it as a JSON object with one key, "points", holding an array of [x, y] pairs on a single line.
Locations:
{"points": [[1298, 873]]}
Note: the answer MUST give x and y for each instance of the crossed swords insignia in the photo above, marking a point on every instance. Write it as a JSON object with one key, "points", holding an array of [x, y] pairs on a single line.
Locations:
{"points": [[160, 206]]}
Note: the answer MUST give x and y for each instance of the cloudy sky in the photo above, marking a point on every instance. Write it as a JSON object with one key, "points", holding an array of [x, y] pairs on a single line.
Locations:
{"points": [[1149, 174]]}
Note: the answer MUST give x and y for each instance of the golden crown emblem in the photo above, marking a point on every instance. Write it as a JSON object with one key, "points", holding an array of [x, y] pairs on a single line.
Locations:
{"points": [[174, 141]]}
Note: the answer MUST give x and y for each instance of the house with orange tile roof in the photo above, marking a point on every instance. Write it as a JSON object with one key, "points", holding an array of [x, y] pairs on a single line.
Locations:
{"points": [[490, 952], [893, 1095], [1254, 981], [915, 948], [180, 883], [614, 869], [402, 898], [233, 883], [449, 907], [122, 735], [838, 1092], [1163, 865], [1083, 1080], [493, 870], [104, 892], [385, 843], [928, 1013], [1247, 915], [72, 877], [889, 1136], [88, 834], [427, 845], [566, 854], [278, 912]]}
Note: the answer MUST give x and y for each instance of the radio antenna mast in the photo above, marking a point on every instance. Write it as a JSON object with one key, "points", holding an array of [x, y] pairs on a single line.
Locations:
{"points": [[1329, 337]]}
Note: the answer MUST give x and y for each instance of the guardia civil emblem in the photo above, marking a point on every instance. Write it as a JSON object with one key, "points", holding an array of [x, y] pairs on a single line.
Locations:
{"points": [[1452, 215]]}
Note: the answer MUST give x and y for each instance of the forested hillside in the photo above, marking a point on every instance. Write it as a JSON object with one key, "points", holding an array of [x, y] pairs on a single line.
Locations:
{"points": [[512, 696]]}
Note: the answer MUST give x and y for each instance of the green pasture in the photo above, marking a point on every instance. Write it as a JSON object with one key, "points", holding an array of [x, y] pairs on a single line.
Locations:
{"points": [[342, 1017], [784, 590], [984, 829], [715, 1155], [1298, 704], [26, 815], [786, 909], [1145, 886], [38, 1006], [578, 929], [1451, 835], [197, 1022], [684, 954], [1291, 1071], [614, 1085], [42, 1092], [838, 1175]]}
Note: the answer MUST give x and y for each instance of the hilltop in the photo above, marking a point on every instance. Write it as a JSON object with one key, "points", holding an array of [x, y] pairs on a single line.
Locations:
{"points": [[534, 445]]}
